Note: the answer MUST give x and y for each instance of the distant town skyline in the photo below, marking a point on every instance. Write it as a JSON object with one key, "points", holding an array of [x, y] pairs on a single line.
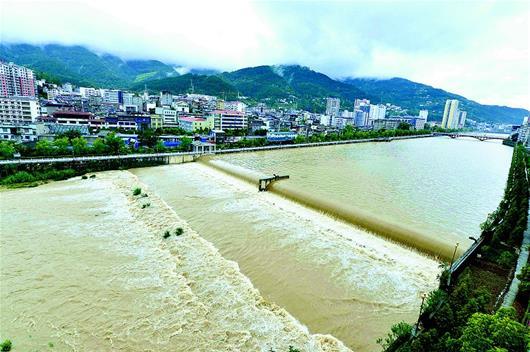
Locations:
{"points": [[476, 49]]}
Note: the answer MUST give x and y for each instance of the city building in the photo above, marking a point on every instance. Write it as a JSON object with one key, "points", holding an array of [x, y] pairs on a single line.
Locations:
{"points": [[452, 115], [16, 81], [113, 96], [157, 121], [166, 98], [377, 111], [18, 133], [19, 110], [423, 114], [392, 123], [462, 119], [235, 106], [361, 118], [193, 124], [128, 121], [229, 120], [524, 132], [332, 106], [169, 116]]}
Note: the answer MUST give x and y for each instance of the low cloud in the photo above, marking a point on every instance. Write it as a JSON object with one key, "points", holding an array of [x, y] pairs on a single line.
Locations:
{"points": [[476, 49]]}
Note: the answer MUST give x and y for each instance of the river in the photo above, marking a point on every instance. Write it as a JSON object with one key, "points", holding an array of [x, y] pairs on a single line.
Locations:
{"points": [[68, 249], [334, 277]]}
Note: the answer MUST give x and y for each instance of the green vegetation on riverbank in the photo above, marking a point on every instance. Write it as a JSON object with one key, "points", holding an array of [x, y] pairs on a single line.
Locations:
{"points": [[348, 133], [463, 317]]}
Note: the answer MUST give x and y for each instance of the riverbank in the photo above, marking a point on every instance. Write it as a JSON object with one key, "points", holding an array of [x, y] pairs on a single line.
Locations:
{"points": [[101, 276], [465, 312], [25, 172]]}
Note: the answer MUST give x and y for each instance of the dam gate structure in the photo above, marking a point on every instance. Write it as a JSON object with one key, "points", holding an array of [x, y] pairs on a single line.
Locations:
{"points": [[264, 183]]}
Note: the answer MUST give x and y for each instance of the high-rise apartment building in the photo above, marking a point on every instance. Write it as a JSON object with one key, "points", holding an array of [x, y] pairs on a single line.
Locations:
{"points": [[19, 110], [451, 117], [423, 114], [16, 81], [462, 119], [332, 106], [377, 111]]}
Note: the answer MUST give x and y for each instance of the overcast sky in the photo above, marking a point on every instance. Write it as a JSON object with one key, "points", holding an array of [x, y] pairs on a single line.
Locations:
{"points": [[479, 49]]}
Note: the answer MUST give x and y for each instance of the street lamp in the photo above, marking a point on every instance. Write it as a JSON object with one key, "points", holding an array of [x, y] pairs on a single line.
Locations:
{"points": [[423, 297]]}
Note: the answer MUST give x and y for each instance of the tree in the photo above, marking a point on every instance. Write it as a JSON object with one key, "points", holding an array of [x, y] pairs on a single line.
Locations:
{"points": [[7, 150], [160, 147], [61, 145], [147, 137], [44, 147], [114, 144], [99, 146], [403, 126], [70, 134], [185, 143], [79, 146], [524, 276], [486, 332]]}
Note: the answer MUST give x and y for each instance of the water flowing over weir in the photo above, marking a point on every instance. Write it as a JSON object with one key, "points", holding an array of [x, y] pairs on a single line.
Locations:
{"points": [[425, 242]]}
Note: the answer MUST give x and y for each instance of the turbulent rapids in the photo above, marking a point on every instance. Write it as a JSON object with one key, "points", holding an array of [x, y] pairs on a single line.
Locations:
{"points": [[424, 242], [85, 265]]}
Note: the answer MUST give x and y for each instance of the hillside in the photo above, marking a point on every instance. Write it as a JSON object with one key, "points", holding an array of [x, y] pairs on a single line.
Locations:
{"points": [[78, 65], [202, 84], [283, 85], [305, 87], [415, 96]]}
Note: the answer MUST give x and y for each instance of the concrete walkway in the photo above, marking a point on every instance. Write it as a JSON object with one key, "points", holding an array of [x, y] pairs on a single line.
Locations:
{"points": [[509, 298]]}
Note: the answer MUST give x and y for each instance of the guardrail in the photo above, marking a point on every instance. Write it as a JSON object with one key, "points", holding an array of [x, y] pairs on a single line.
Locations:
{"points": [[219, 151]]}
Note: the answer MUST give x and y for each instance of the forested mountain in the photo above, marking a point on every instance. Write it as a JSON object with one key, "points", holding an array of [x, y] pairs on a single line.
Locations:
{"points": [[78, 65], [416, 96], [188, 83], [291, 85]]}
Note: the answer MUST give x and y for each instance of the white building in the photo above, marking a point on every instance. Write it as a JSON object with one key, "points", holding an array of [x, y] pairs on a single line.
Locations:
{"points": [[113, 96], [169, 116], [325, 120], [524, 132], [423, 114], [128, 98], [19, 110], [451, 117], [333, 106], [229, 120], [235, 106], [181, 107], [462, 119], [88, 92], [166, 98], [18, 133], [377, 112]]}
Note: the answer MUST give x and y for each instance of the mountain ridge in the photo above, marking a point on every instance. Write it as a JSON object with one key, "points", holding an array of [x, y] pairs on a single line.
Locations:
{"points": [[293, 85]]}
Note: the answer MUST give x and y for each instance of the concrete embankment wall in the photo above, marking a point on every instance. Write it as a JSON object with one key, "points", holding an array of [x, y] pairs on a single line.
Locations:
{"points": [[424, 242]]}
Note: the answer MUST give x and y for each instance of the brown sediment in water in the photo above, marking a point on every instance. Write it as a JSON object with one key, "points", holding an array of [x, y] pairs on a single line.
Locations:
{"points": [[425, 242], [91, 271]]}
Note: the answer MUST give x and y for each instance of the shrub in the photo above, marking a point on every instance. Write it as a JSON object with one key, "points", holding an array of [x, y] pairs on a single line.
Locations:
{"points": [[7, 150], [84, 177], [19, 177], [179, 231], [92, 176], [166, 234], [6, 346], [137, 191], [399, 333], [146, 205], [506, 259]]}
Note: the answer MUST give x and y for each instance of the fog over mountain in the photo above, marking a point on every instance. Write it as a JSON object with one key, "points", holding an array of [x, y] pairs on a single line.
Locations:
{"points": [[476, 49]]}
